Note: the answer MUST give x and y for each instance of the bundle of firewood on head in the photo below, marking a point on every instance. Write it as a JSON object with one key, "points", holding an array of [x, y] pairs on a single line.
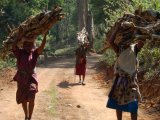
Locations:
{"points": [[82, 37], [142, 25], [31, 28]]}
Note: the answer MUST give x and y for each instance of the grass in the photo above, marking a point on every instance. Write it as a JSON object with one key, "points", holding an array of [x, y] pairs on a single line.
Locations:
{"points": [[65, 51], [52, 92]]}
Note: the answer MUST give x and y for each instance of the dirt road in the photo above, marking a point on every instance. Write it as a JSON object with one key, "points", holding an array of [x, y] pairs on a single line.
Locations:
{"points": [[73, 101]]}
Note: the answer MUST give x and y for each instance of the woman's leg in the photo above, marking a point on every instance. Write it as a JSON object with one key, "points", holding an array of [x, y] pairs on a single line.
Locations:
{"points": [[24, 105], [119, 114], [31, 106], [134, 116], [79, 78], [83, 79]]}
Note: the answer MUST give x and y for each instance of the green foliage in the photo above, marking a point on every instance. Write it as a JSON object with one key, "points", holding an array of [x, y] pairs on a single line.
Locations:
{"points": [[115, 9], [109, 57], [98, 43], [147, 4], [10, 62], [65, 51], [150, 61], [96, 6]]}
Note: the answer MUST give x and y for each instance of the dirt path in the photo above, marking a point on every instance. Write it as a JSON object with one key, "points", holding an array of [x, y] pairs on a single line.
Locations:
{"points": [[74, 101]]}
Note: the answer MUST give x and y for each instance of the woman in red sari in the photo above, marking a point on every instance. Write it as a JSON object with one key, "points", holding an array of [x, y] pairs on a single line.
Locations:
{"points": [[26, 78], [81, 63]]}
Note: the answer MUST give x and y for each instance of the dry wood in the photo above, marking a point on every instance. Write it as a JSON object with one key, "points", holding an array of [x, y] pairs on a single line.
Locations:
{"points": [[82, 37], [141, 25], [32, 27]]}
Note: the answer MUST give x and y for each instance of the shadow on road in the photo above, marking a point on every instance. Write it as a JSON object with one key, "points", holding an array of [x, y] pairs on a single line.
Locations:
{"points": [[66, 84]]}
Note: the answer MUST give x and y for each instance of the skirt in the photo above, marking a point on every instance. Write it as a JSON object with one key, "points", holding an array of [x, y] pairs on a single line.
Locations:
{"points": [[26, 92], [80, 69], [130, 107]]}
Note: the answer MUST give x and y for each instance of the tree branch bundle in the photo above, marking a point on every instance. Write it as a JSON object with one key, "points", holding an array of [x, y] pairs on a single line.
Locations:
{"points": [[142, 25], [82, 37], [32, 27]]}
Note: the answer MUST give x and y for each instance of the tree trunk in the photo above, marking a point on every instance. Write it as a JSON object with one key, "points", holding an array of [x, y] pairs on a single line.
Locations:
{"points": [[85, 19], [57, 33], [90, 28], [82, 9]]}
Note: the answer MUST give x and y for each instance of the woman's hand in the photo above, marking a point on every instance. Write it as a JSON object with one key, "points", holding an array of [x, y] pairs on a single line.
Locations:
{"points": [[40, 49]]}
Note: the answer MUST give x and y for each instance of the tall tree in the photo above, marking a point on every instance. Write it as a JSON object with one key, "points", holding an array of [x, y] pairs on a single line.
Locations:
{"points": [[82, 8], [85, 19], [90, 28]]}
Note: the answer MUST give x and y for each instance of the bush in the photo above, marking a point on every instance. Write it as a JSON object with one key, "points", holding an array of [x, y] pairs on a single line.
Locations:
{"points": [[150, 61], [109, 57], [10, 62], [98, 44], [65, 51]]}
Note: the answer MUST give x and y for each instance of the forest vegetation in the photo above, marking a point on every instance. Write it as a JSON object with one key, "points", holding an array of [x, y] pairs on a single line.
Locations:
{"points": [[63, 34]]}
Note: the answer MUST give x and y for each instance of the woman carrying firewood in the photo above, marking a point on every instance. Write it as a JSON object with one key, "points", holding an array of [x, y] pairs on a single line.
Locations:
{"points": [[124, 94], [26, 76], [80, 67]]}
